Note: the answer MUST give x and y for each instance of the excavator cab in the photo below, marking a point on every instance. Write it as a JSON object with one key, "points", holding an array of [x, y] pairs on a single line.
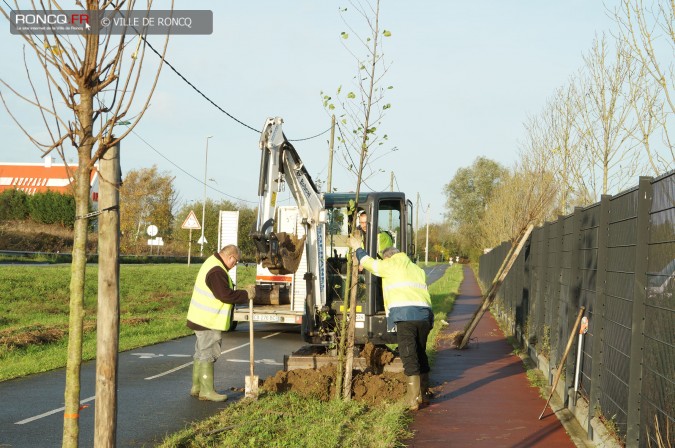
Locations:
{"points": [[389, 221]]}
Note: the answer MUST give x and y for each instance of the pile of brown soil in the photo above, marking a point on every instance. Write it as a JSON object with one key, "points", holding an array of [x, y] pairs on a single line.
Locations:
{"points": [[372, 386]]}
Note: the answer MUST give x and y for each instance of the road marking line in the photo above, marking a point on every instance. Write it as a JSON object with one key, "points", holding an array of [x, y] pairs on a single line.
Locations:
{"points": [[269, 362], [46, 414], [270, 335], [175, 369], [86, 400]]}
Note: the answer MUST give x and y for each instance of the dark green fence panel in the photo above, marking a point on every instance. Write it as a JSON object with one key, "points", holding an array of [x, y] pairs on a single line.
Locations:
{"points": [[617, 259]]}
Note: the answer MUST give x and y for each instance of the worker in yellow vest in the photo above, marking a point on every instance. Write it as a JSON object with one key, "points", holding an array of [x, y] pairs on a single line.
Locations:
{"points": [[408, 308], [210, 313]]}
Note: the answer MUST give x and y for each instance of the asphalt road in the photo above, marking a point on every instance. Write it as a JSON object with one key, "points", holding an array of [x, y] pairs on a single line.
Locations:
{"points": [[153, 391], [435, 272], [153, 388]]}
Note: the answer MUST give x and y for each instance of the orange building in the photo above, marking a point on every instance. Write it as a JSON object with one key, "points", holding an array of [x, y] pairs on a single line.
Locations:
{"points": [[40, 177]]}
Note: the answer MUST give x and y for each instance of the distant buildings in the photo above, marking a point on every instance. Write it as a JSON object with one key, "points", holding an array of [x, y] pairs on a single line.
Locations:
{"points": [[40, 177]]}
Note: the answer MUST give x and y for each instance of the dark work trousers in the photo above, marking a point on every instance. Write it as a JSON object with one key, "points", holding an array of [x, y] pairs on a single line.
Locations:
{"points": [[412, 345]]}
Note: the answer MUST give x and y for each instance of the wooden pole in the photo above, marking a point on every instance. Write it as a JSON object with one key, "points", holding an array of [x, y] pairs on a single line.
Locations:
{"points": [[562, 361], [189, 247], [496, 283], [108, 316], [329, 182]]}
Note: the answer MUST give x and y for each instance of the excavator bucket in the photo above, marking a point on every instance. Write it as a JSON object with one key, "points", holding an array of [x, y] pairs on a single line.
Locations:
{"points": [[290, 253]]}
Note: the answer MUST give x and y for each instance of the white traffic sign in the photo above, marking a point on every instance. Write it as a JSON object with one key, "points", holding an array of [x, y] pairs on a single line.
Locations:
{"points": [[202, 240], [152, 230], [191, 222]]}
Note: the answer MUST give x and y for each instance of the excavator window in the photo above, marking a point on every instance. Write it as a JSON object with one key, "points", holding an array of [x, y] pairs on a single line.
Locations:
{"points": [[337, 231]]}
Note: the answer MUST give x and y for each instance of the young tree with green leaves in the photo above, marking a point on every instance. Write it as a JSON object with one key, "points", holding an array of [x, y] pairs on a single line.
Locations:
{"points": [[362, 108]]}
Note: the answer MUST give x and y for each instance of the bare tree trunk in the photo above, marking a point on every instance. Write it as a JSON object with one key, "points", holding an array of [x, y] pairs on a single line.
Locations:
{"points": [[107, 323], [71, 430], [349, 363], [75, 73], [77, 275], [605, 170], [342, 333]]}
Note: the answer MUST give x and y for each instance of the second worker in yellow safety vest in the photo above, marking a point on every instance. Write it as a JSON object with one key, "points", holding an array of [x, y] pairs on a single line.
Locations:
{"points": [[408, 307], [210, 313]]}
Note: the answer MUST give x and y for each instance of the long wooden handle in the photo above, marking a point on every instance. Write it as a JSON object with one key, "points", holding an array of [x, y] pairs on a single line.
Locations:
{"points": [[562, 361], [494, 287], [250, 332]]}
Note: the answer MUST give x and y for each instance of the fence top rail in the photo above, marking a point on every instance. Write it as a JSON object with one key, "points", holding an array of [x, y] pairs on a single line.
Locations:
{"points": [[588, 207], [664, 175], [597, 204], [624, 192]]}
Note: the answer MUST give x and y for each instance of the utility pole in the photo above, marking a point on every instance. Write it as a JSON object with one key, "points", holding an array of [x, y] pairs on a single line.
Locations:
{"points": [[329, 183], [426, 250], [206, 164], [108, 312], [417, 223], [391, 188]]}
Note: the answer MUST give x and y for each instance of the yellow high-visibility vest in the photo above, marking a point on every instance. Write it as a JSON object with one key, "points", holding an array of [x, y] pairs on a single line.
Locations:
{"points": [[205, 309], [403, 282]]}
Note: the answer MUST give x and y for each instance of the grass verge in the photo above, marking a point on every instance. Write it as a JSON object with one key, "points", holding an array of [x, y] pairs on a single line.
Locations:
{"points": [[443, 294], [287, 420], [535, 377]]}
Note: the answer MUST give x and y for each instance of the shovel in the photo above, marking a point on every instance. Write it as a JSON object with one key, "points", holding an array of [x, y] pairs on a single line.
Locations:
{"points": [[251, 381]]}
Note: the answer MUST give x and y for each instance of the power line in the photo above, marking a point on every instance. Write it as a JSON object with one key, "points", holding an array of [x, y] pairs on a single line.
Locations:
{"points": [[198, 180], [194, 87], [211, 101]]}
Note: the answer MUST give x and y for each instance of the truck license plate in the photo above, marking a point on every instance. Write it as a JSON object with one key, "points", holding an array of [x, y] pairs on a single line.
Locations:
{"points": [[265, 318]]}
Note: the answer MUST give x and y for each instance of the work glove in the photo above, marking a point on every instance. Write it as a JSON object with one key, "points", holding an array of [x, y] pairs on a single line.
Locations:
{"points": [[354, 242], [250, 290]]}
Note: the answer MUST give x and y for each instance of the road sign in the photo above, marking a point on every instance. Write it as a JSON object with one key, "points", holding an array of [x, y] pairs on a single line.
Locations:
{"points": [[191, 222], [152, 230], [202, 240], [156, 241]]}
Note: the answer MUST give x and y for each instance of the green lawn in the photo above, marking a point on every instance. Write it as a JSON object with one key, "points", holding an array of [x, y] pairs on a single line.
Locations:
{"points": [[34, 303]]}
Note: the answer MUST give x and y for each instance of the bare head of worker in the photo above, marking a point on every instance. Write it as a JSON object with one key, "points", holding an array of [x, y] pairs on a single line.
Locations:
{"points": [[389, 252], [230, 255]]}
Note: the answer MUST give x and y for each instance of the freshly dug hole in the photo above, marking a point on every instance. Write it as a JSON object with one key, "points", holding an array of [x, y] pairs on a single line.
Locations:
{"points": [[372, 386]]}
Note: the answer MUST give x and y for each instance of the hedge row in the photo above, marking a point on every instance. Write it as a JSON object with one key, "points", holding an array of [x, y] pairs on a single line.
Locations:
{"points": [[47, 208]]}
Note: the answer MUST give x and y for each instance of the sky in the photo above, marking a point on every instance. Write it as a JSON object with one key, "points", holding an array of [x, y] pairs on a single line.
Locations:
{"points": [[466, 75]]}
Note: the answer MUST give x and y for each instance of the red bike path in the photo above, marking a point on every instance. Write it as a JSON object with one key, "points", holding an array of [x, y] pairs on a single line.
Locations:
{"points": [[482, 394]]}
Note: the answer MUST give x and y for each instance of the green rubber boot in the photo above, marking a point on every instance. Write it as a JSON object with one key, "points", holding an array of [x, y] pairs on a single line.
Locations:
{"points": [[194, 391], [412, 399], [206, 391], [425, 393]]}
